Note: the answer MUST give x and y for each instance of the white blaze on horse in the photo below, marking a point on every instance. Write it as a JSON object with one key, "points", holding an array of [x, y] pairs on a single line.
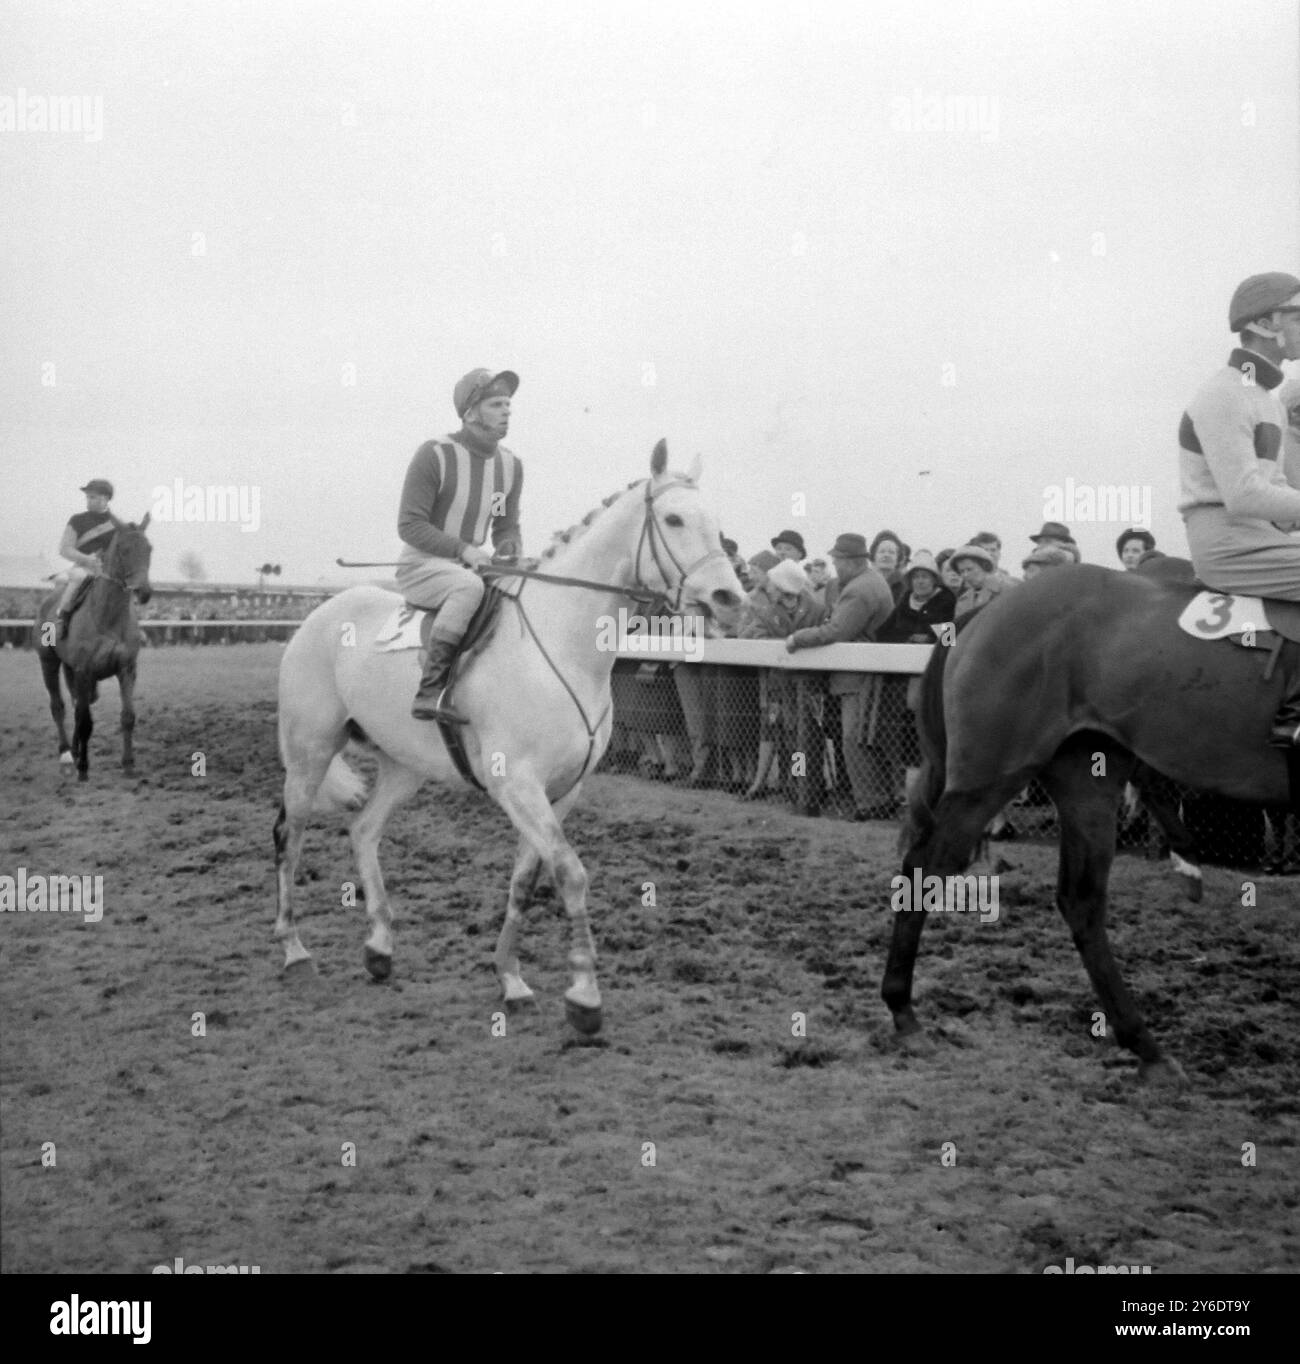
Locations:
{"points": [[536, 700]]}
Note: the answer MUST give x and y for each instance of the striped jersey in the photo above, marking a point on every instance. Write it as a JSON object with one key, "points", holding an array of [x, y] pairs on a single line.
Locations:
{"points": [[1230, 440], [454, 496]]}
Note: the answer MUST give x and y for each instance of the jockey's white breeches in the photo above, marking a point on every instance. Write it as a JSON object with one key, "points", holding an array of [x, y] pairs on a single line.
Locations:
{"points": [[451, 589], [72, 577]]}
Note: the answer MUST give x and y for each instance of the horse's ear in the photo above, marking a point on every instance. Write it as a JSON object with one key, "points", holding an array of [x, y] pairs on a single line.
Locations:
{"points": [[144, 524], [659, 459], [697, 464]]}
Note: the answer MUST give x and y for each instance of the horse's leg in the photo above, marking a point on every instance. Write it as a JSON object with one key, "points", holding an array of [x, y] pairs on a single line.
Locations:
{"points": [[82, 686], [396, 783], [959, 821], [50, 669], [1160, 796], [126, 682], [524, 800], [1087, 805], [523, 882], [304, 773]]}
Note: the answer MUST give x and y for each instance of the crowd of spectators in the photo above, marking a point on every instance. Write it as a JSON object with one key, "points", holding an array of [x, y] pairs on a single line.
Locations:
{"points": [[838, 743], [241, 614]]}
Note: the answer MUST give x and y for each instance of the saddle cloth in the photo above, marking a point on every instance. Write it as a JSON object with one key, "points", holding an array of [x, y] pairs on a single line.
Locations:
{"points": [[1217, 615], [406, 628]]}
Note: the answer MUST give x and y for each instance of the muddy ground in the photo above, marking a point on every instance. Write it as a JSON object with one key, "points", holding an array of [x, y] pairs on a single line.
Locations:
{"points": [[523, 1152]]}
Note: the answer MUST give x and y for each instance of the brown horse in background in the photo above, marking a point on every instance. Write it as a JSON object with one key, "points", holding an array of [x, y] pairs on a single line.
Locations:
{"points": [[103, 641], [1080, 678]]}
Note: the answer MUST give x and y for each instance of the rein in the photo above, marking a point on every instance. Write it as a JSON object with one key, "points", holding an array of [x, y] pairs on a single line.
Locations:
{"points": [[651, 534]]}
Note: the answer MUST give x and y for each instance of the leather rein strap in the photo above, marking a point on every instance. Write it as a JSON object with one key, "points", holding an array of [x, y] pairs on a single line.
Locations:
{"points": [[652, 535]]}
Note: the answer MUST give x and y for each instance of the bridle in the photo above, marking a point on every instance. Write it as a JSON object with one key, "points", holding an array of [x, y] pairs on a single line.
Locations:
{"points": [[652, 537], [107, 577]]}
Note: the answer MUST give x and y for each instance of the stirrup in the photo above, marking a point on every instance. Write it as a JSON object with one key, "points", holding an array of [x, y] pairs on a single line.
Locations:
{"points": [[437, 709]]}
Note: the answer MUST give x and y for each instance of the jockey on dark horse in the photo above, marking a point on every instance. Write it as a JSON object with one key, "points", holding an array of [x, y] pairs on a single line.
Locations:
{"points": [[1237, 503], [85, 538], [456, 489]]}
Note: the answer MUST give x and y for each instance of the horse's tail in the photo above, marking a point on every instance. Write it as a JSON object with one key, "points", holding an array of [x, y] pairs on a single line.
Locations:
{"points": [[923, 796], [343, 789]]}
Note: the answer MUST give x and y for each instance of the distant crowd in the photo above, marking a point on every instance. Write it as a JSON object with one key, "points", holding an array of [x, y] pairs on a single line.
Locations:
{"points": [[246, 608]]}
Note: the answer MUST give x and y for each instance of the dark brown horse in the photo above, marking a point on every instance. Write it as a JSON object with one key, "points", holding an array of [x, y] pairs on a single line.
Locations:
{"points": [[103, 641], [1080, 678]]}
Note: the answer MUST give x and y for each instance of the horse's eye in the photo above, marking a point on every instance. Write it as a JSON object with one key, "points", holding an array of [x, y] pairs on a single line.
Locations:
{"points": [[673, 519]]}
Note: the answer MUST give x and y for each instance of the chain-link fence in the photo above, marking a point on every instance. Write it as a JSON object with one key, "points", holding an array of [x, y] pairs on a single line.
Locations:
{"points": [[789, 738]]}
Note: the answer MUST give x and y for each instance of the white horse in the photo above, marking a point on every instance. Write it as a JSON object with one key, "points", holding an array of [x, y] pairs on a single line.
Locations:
{"points": [[536, 701]]}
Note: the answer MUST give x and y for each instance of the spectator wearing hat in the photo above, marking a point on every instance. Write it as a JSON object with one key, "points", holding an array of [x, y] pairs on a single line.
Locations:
{"points": [[1054, 533], [783, 605], [924, 605], [85, 538], [760, 565], [1132, 545], [457, 491], [861, 606], [992, 542], [819, 581], [789, 545], [719, 701], [980, 580], [1050, 554], [925, 602], [1237, 503], [949, 576]]}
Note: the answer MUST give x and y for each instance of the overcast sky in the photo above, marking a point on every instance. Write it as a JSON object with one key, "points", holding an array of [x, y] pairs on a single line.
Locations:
{"points": [[912, 263]]}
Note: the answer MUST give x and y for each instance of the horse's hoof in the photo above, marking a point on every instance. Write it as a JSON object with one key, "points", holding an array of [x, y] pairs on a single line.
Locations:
{"points": [[1163, 1074], [83, 776], [914, 1041], [300, 971], [1193, 888], [379, 964], [65, 758], [585, 1020], [524, 1004]]}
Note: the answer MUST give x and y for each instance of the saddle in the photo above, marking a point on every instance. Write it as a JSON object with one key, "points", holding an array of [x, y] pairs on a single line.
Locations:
{"points": [[409, 627], [1251, 622], [78, 596]]}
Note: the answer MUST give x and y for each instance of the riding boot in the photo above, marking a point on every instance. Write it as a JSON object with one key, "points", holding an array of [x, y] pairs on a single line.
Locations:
{"points": [[437, 668], [1286, 723], [65, 618]]}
